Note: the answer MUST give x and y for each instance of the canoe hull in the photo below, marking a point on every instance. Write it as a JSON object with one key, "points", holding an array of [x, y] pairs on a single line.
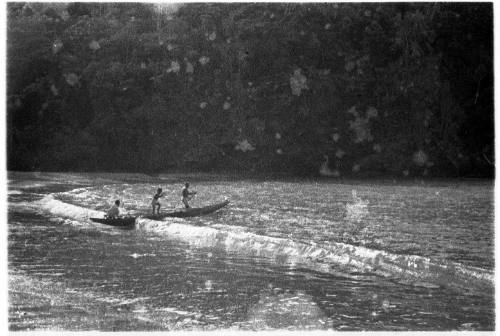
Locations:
{"points": [[119, 222], [191, 212]]}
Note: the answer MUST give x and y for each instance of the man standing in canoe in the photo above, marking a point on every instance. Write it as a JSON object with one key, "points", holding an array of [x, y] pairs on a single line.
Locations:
{"points": [[187, 195], [155, 203]]}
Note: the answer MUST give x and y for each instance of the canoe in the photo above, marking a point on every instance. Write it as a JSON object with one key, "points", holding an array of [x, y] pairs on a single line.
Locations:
{"points": [[121, 221], [190, 212]]}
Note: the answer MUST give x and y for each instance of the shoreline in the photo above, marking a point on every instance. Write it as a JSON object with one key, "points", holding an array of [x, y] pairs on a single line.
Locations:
{"points": [[274, 176]]}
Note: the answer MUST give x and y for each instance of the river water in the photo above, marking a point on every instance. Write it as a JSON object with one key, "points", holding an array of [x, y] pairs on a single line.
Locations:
{"points": [[285, 254]]}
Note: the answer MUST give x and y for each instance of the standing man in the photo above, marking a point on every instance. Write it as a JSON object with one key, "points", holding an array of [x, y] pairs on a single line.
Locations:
{"points": [[187, 195], [155, 203]]}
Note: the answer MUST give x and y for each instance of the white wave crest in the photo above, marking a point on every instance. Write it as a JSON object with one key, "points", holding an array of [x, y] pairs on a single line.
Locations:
{"points": [[55, 207], [334, 258], [14, 192]]}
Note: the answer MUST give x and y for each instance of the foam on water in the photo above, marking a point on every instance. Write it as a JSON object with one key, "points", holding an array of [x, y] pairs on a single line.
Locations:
{"points": [[14, 192], [30, 184], [333, 257], [274, 310], [136, 255], [52, 297], [55, 207]]}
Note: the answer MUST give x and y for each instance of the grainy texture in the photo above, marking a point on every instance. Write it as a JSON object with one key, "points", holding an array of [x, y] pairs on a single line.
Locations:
{"points": [[350, 89], [287, 255]]}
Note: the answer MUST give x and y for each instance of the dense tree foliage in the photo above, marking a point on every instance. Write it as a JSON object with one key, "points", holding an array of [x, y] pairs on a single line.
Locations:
{"points": [[345, 89]]}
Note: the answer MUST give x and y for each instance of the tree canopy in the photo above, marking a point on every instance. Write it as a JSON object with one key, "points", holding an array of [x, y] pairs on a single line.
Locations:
{"points": [[348, 89]]}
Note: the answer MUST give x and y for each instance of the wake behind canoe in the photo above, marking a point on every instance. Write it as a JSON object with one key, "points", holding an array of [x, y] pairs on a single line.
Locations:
{"points": [[190, 212]]}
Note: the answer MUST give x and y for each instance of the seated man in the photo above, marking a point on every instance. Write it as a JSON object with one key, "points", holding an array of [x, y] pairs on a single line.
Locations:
{"points": [[187, 195], [114, 211]]}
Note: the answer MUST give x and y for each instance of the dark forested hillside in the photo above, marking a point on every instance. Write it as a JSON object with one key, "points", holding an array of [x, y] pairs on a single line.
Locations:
{"points": [[350, 89]]}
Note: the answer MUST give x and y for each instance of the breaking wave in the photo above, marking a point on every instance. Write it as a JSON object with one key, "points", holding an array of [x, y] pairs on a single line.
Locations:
{"points": [[55, 207], [14, 192], [333, 258]]}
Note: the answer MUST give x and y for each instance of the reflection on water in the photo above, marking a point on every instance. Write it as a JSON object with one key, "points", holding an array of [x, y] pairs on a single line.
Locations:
{"points": [[284, 255], [276, 310]]}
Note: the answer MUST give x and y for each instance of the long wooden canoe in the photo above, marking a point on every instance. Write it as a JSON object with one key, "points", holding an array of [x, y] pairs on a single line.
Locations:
{"points": [[120, 221], [190, 212]]}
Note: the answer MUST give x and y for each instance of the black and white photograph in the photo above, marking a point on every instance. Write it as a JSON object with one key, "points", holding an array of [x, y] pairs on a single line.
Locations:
{"points": [[249, 167]]}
